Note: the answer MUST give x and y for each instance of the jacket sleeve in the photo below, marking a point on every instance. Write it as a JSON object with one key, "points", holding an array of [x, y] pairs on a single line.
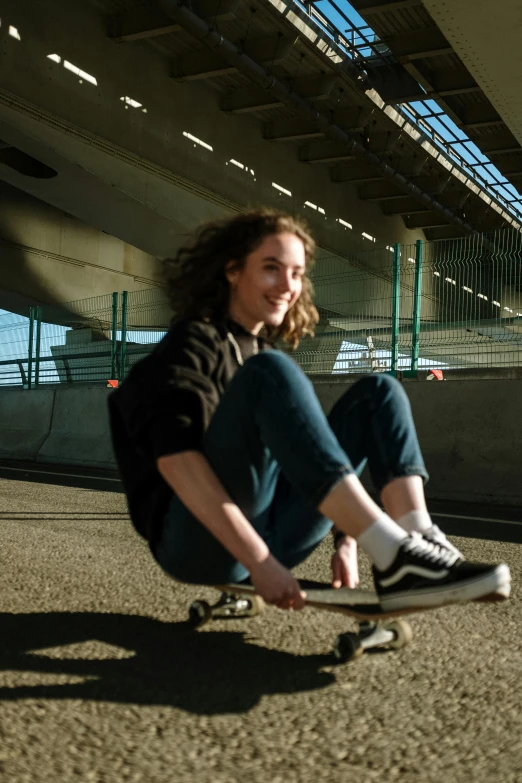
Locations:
{"points": [[167, 400]]}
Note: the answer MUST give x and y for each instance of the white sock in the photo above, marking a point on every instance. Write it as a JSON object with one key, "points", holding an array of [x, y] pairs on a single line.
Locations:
{"points": [[415, 522], [381, 541]]}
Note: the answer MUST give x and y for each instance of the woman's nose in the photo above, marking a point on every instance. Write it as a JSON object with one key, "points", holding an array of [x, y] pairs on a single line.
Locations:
{"points": [[285, 282]]}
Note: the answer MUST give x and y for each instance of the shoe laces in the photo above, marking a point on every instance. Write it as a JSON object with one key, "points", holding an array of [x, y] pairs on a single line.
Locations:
{"points": [[436, 536], [430, 550]]}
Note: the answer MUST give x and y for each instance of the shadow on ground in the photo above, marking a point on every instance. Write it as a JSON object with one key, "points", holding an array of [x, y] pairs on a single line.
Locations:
{"points": [[207, 672]]}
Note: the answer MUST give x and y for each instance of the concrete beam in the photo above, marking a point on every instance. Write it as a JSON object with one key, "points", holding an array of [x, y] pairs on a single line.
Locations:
{"points": [[249, 99], [272, 49], [510, 165], [433, 184], [324, 152], [488, 219], [148, 22], [428, 42], [359, 171], [352, 118], [411, 165], [397, 85], [356, 172], [379, 191], [498, 143], [403, 206], [428, 220], [491, 221], [394, 84], [516, 175], [454, 81], [406, 205], [480, 115], [455, 199], [291, 130], [372, 7], [444, 232], [252, 99], [381, 141], [384, 191]]}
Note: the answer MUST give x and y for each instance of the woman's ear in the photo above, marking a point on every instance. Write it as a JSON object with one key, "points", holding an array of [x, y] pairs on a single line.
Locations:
{"points": [[231, 272]]}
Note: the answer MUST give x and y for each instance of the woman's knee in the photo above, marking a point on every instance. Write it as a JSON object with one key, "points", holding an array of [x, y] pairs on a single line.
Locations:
{"points": [[380, 386], [276, 366], [276, 361], [372, 392]]}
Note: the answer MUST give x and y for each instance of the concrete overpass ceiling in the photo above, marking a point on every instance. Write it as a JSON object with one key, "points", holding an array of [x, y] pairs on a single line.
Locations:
{"points": [[271, 62], [293, 49], [455, 54], [319, 71]]}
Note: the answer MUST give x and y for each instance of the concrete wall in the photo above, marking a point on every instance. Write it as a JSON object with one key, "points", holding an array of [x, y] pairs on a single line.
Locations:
{"points": [[468, 429], [49, 256], [63, 426], [469, 434]]}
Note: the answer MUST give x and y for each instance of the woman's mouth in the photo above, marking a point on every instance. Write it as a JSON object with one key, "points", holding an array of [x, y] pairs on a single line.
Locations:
{"points": [[276, 303]]}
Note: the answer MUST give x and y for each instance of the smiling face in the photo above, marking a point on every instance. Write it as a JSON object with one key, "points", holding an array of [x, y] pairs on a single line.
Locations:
{"points": [[269, 283]]}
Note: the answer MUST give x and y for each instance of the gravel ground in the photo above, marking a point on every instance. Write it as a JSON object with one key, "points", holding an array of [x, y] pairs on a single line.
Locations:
{"points": [[102, 680]]}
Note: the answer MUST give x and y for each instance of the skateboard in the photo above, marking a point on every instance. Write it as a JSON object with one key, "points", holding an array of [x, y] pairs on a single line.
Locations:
{"points": [[375, 628]]}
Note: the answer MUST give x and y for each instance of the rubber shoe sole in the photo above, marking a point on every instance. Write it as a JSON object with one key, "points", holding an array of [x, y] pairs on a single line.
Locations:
{"points": [[493, 586]]}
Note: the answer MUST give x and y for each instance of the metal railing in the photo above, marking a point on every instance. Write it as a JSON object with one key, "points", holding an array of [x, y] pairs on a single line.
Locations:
{"points": [[447, 304]]}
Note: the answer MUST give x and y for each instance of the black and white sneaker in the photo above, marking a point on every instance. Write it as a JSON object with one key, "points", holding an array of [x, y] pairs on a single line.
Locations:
{"points": [[425, 574]]}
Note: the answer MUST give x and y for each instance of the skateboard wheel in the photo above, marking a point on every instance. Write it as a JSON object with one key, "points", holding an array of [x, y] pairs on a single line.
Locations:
{"points": [[402, 633], [200, 613], [256, 606], [347, 648]]}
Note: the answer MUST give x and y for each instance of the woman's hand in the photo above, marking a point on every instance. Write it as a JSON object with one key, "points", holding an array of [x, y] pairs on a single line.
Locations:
{"points": [[345, 568], [276, 585]]}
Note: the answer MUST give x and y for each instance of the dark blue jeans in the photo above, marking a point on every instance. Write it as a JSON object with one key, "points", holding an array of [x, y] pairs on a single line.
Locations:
{"points": [[278, 455]]}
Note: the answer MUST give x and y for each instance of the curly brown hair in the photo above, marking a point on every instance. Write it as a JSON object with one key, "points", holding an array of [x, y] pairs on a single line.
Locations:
{"points": [[197, 284]]}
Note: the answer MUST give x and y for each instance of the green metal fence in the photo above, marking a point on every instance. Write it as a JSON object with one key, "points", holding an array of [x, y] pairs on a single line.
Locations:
{"points": [[368, 307], [454, 303], [88, 341], [447, 304], [354, 300], [471, 314]]}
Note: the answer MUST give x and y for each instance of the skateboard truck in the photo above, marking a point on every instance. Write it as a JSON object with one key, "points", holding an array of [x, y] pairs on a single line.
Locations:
{"points": [[391, 635], [228, 605]]}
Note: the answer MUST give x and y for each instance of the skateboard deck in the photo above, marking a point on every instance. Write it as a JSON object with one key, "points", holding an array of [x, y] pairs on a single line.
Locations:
{"points": [[360, 604]]}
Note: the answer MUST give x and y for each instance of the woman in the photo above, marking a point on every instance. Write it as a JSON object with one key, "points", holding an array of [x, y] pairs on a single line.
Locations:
{"points": [[231, 469]]}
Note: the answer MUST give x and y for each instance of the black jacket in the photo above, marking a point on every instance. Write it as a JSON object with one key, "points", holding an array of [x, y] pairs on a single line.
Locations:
{"points": [[165, 405]]}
